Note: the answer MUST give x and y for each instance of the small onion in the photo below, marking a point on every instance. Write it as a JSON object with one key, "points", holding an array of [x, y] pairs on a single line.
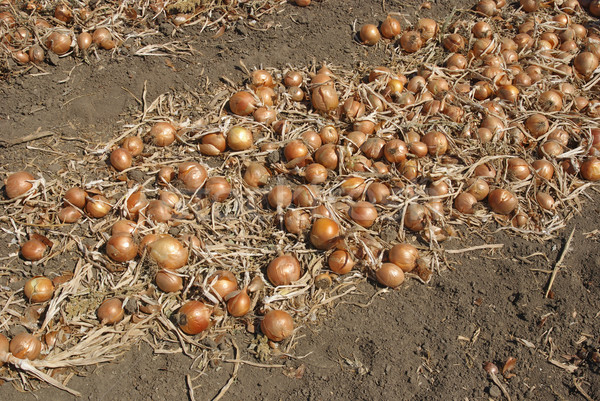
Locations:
{"points": [[502, 201], [239, 304], [68, 214], [537, 125], [369, 34], [305, 196], [262, 78], [315, 173], [293, 78], [590, 169], [378, 193], [217, 189], [193, 317], [284, 270], [545, 200], [363, 214], [168, 253], [158, 211], [518, 169], [340, 261], [33, 249], [280, 196], [166, 174], [543, 169], [550, 101], [256, 175], [38, 289], [395, 151], [110, 311], [193, 175], [18, 184], [325, 98], [4, 346], [324, 233], [213, 144], [120, 159], [123, 227], [58, 43], [390, 275], [404, 256], [427, 27], [436, 142], [168, 282], [135, 204], [465, 203], [327, 156], [163, 133], [277, 325], [25, 346], [585, 63], [353, 187], [84, 40], [373, 148], [134, 145], [390, 28], [414, 218], [121, 247], [411, 41], [97, 206], [478, 188], [223, 283], [296, 221]]}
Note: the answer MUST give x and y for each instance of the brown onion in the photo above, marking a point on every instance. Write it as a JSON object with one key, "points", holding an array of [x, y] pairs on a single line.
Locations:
{"points": [[585, 63], [168, 281], [590, 169], [373, 148], [239, 138], [363, 213], [163, 133], [18, 184], [465, 203], [390, 275], [327, 156], [135, 204], [239, 304], [436, 142], [545, 200], [502, 201], [25, 346], [537, 125], [550, 101], [4, 346], [404, 256], [68, 214], [277, 325], [305, 195], [256, 175], [280, 196], [121, 247], [454, 43], [395, 151], [478, 188], [427, 27], [97, 206], [120, 159], [369, 34], [213, 144], [296, 221], [33, 249], [518, 169], [217, 189], [158, 211], [134, 145], [378, 193], [193, 317], [242, 103], [325, 98], [414, 218], [390, 28], [84, 40], [223, 283], [284, 270], [58, 43], [168, 253], [110, 311], [193, 175], [411, 41], [324, 233], [38, 289], [262, 78], [315, 173], [293, 78], [340, 261]]}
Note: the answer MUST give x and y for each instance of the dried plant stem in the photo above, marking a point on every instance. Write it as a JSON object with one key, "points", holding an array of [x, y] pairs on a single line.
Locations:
{"points": [[557, 265]]}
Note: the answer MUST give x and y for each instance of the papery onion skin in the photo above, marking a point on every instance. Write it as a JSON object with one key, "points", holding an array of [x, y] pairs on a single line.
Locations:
{"points": [[284, 270], [25, 346], [17, 184], [390, 275], [296, 221], [38, 289], [33, 250], [121, 247], [502, 201], [324, 233], [110, 311], [404, 256], [193, 317], [223, 283], [168, 253], [277, 325]]}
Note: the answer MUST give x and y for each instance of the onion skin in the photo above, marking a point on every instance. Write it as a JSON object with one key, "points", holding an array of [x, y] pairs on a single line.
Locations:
{"points": [[390, 275], [25, 346], [340, 261], [283, 270], [17, 184], [38, 289], [193, 317], [324, 233], [277, 325]]}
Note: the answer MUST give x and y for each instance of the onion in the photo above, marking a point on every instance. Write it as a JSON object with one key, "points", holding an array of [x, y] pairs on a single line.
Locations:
{"points": [[18, 184], [305, 196], [193, 317], [353, 109], [135, 204], [68, 214], [438, 188], [58, 43], [340, 261], [169, 198], [120, 159], [280, 196], [295, 150], [110, 311], [502, 201], [262, 78], [293, 78], [518, 169], [427, 27], [414, 218], [411, 41], [256, 175], [478, 188], [168, 282], [121, 247], [324, 233], [390, 275], [33, 249], [545, 200], [213, 144], [543, 169], [239, 303], [353, 187], [487, 7], [369, 34], [404, 256], [283, 270], [97, 206], [38, 289], [315, 173], [481, 29], [217, 189], [312, 139], [223, 283], [134, 145], [327, 156], [590, 169], [36, 54], [84, 40], [378, 193], [168, 253], [4, 347], [454, 43], [537, 125], [193, 175], [465, 203], [239, 138], [390, 28], [325, 98], [25, 346], [277, 325], [296, 221], [550, 101], [585, 63], [163, 133], [242, 103], [158, 211], [363, 214], [436, 142], [373, 148]]}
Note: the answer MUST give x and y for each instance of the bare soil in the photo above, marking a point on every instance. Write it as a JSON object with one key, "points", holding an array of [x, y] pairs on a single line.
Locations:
{"points": [[425, 342]]}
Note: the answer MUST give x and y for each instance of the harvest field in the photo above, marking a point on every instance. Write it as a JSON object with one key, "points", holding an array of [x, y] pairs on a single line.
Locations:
{"points": [[299, 200]]}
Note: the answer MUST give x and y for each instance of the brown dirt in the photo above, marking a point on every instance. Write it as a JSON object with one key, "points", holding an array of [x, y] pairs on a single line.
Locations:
{"points": [[425, 342]]}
